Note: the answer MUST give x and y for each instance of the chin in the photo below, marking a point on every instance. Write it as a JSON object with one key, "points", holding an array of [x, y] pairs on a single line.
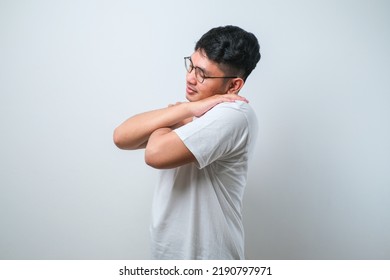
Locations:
{"points": [[191, 98]]}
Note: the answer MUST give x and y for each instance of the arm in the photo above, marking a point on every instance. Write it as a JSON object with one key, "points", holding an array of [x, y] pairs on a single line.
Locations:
{"points": [[165, 149], [134, 133], [153, 131]]}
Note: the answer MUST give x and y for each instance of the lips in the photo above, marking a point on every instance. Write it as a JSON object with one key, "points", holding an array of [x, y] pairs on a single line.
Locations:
{"points": [[190, 90]]}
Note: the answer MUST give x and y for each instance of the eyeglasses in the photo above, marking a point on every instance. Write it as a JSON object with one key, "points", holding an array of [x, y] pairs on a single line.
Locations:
{"points": [[199, 73]]}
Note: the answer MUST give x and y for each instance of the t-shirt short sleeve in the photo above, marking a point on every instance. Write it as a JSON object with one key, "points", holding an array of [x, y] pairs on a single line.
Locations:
{"points": [[217, 134]]}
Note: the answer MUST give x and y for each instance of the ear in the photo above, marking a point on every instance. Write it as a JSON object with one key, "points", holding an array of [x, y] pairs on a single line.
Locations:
{"points": [[235, 85]]}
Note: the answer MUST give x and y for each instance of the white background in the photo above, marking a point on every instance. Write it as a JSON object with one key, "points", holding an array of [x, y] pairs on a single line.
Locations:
{"points": [[71, 71]]}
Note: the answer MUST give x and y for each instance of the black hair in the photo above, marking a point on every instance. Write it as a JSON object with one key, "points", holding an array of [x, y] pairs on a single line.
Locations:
{"points": [[234, 49]]}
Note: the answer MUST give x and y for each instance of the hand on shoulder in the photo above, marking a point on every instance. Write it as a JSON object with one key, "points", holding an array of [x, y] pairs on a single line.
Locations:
{"points": [[200, 107]]}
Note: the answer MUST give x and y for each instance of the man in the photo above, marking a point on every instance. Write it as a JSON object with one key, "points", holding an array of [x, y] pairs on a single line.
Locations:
{"points": [[202, 147]]}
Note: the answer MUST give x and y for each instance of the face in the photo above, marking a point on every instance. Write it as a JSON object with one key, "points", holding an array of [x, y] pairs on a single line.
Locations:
{"points": [[197, 91]]}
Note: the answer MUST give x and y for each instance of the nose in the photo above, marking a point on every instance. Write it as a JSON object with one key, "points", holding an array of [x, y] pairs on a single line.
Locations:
{"points": [[191, 78]]}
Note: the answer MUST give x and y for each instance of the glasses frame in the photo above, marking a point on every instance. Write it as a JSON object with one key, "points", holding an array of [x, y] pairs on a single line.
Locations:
{"points": [[202, 76]]}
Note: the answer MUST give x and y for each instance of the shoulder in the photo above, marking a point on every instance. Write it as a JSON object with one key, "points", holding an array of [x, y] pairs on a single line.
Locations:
{"points": [[225, 118], [237, 111], [239, 106]]}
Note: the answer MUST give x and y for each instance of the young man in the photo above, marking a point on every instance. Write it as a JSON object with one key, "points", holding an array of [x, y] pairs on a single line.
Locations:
{"points": [[202, 147]]}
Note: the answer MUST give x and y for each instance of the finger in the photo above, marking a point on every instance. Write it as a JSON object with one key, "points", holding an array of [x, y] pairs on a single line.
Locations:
{"points": [[241, 98], [244, 99], [235, 97], [177, 103]]}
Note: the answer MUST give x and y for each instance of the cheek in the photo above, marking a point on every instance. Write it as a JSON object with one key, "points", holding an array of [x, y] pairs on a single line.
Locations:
{"points": [[206, 93], [208, 87]]}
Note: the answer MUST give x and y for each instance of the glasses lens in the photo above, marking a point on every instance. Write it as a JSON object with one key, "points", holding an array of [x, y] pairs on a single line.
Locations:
{"points": [[199, 75], [188, 64]]}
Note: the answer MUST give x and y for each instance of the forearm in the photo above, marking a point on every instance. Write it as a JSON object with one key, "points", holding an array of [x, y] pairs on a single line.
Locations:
{"points": [[135, 131]]}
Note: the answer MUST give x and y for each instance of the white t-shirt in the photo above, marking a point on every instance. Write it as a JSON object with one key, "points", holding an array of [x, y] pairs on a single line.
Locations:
{"points": [[197, 207]]}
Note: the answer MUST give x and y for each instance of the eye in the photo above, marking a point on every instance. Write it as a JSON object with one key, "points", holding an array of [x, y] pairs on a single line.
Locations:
{"points": [[200, 73]]}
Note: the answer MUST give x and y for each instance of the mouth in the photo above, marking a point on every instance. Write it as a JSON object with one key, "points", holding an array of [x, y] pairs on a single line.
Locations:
{"points": [[190, 90]]}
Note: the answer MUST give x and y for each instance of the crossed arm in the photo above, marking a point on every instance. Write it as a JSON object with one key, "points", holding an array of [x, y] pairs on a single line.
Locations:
{"points": [[153, 131]]}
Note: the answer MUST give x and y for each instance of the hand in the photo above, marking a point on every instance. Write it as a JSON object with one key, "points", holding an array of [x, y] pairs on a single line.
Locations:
{"points": [[202, 106]]}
